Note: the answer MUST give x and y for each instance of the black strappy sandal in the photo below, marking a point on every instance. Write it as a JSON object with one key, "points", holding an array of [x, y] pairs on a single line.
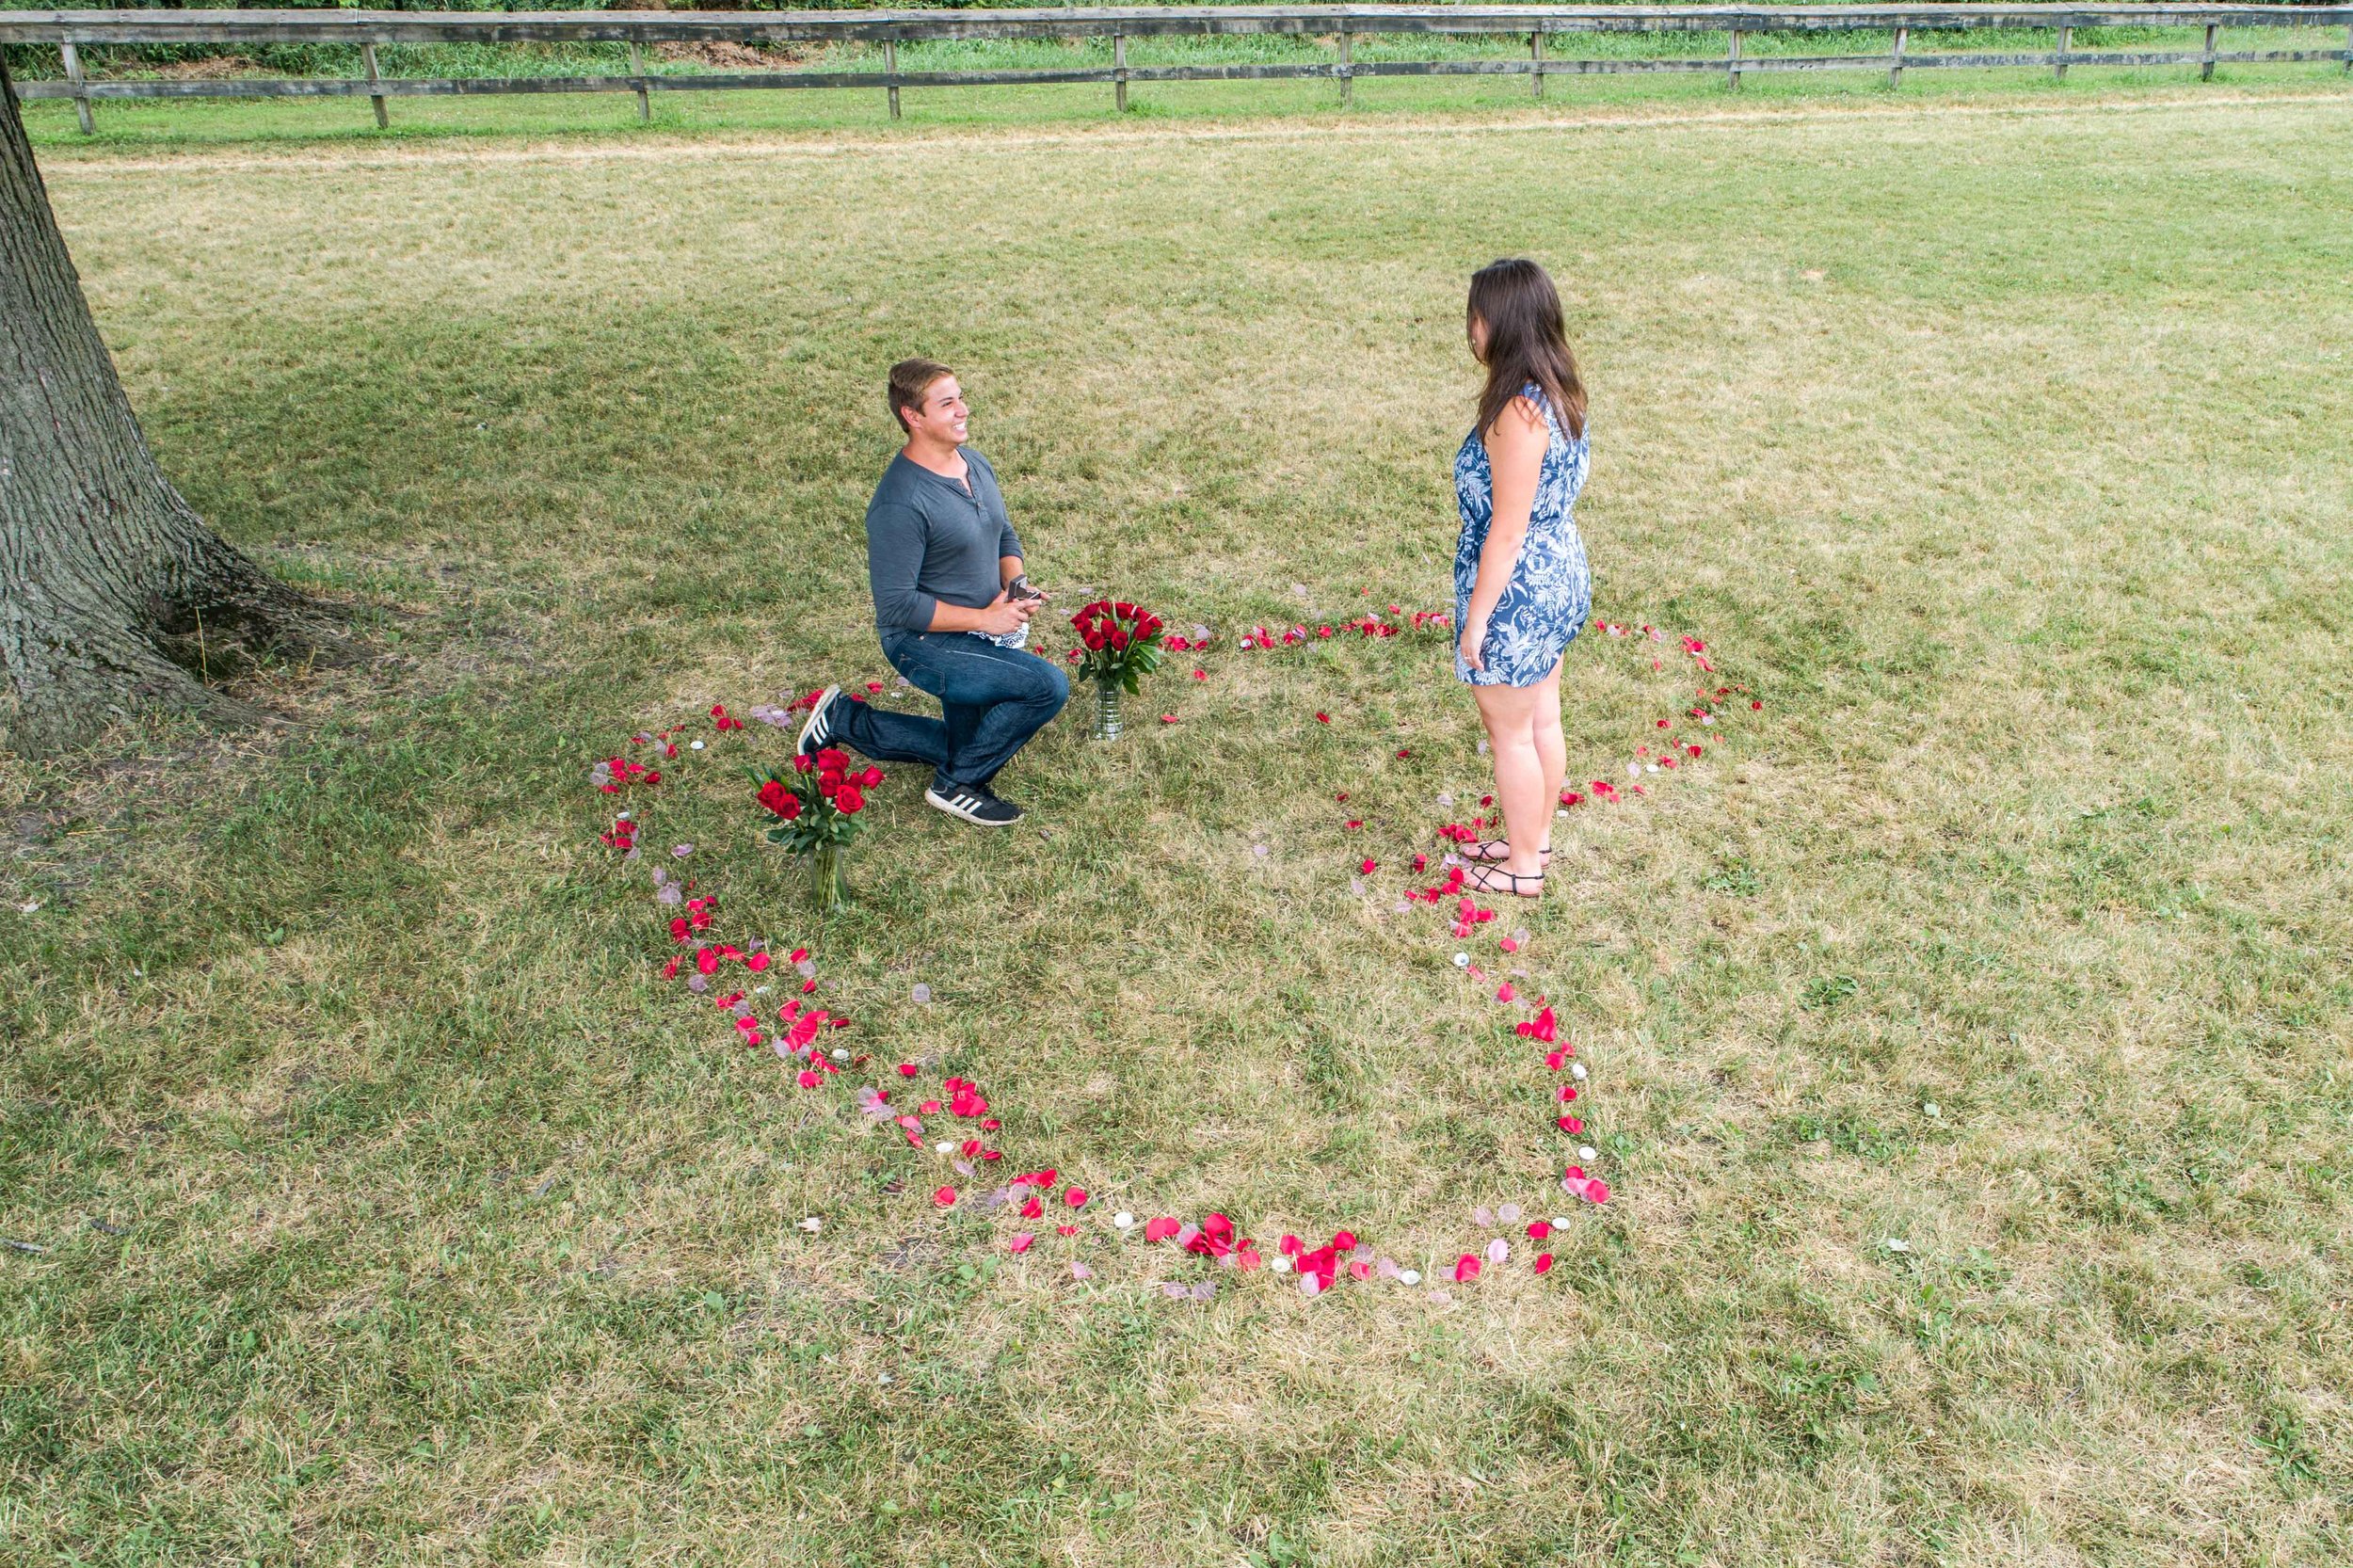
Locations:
{"points": [[1477, 854], [1485, 878]]}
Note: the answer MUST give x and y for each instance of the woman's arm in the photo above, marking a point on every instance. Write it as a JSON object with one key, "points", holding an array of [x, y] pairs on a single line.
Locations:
{"points": [[1515, 455]]}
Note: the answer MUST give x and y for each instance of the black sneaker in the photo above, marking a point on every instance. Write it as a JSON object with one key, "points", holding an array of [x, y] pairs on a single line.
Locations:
{"points": [[817, 733], [975, 805]]}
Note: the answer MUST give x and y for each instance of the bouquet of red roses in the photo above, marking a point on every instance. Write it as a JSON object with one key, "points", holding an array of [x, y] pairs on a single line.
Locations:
{"points": [[1119, 648], [816, 810]]}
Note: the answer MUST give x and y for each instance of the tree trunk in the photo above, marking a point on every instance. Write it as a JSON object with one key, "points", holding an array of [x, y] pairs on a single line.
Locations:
{"points": [[112, 590]]}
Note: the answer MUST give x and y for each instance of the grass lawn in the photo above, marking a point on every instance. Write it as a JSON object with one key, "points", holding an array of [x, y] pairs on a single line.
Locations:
{"points": [[396, 1209]]}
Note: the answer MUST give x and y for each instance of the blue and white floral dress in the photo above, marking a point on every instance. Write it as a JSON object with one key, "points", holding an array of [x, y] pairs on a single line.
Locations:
{"points": [[1551, 590]]}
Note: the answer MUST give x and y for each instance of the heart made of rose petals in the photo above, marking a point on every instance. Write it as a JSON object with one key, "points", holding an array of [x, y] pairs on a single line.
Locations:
{"points": [[1217, 1236]]}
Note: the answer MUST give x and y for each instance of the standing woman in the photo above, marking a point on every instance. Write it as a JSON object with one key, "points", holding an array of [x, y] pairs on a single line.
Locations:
{"points": [[1522, 589]]}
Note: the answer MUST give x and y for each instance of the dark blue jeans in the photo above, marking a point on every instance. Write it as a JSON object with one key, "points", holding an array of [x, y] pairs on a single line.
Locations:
{"points": [[992, 700]]}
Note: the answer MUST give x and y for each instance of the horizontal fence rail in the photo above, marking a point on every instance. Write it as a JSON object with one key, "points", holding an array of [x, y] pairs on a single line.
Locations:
{"points": [[71, 32]]}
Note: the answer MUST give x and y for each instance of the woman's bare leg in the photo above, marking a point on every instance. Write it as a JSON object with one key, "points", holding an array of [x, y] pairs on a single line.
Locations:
{"points": [[1552, 750], [1510, 715]]}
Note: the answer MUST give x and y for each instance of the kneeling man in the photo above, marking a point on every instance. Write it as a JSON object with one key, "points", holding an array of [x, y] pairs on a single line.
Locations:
{"points": [[953, 608]]}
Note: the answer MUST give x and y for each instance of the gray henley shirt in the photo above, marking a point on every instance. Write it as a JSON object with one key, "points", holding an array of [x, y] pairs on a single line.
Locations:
{"points": [[927, 540]]}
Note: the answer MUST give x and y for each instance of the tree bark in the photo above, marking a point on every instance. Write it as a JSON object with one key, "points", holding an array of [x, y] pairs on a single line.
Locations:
{"points": [[115, 597]]}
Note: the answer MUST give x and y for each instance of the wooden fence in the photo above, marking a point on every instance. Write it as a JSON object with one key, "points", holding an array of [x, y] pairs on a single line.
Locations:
{"points": [[73, 31]]}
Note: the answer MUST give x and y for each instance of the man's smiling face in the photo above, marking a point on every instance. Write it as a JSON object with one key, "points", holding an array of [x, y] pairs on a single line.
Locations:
{"points": [[943, 415]]}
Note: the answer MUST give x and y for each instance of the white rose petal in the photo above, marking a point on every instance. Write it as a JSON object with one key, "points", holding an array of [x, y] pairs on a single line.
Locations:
{"points": [[1280, 1265], [812, 1224], [1896, 1243], [696, 746], [943, 1148], [1587, 1153], [1462, 960], [1408, 1276], [1124, 1220], [1930, 1110], [1577, 1069]]}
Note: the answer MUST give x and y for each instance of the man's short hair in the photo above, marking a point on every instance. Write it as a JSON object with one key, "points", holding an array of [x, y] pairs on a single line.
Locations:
{"points": [[909, 380]]}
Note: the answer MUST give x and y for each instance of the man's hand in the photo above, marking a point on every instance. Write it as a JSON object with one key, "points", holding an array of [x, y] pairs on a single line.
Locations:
{"points": [[1004, 615]]}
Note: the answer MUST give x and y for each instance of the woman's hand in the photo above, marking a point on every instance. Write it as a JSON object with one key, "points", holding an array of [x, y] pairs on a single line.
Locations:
{"points": [[1474, 635]]}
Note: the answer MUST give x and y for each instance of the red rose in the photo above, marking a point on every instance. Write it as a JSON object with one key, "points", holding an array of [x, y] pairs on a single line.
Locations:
{"points": [[847, 799], [773, 795], [1095, 639], [1119, 639], [802, 764], [1124, 609], [871, 777], [790, 809]]}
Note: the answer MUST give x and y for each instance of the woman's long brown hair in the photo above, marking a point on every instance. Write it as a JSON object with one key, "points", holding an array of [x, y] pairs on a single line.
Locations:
{"points": [[1525, 343]]}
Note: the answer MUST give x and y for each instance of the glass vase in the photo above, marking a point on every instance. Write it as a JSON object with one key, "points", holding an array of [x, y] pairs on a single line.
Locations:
{"points": [[827, 892], [1106, 710]]}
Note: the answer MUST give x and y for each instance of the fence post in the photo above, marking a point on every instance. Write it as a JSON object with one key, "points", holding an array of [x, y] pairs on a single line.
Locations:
{"points": [[891, 70], [81, 91], [1731, 68], [367, 53], [1119, 72], [2205, 68], [1536, 61], [637, 70], [2058, 59], [1896, 71], [1348, 65]]}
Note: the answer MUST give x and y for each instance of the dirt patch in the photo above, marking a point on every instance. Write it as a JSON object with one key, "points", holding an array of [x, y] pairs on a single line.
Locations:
{"points": [[213, 67], [735, 57]]}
